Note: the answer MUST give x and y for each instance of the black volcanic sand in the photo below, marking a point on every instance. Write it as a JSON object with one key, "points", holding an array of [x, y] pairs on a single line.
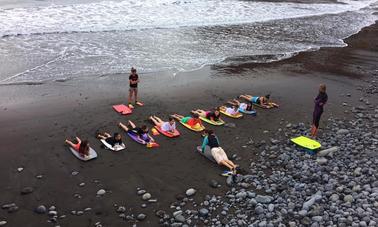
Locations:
{"points": [[36, 119]]}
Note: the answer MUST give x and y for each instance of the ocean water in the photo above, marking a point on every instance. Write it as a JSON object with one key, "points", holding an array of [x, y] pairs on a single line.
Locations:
{"points": [[58, 40]]}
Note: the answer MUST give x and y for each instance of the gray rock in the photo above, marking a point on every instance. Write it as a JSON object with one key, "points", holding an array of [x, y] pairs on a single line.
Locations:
{"points": [[214, 184], [334, 197], [328, 152], [180, 218], [259, 210], [146, 196], [203, 212], [229, 181], [2, 223], [190, 192], [27, 190], [342, 131], [264, 199], [121, 209], [141, 217], [241, 195], [101, 192], [321, 160], [348, 199]]}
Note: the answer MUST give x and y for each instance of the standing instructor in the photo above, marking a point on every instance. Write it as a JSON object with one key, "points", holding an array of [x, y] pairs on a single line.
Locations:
{"points": [[133, 90]]}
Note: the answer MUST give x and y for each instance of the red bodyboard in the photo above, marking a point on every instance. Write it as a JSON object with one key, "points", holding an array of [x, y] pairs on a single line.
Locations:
{"points": [[170, 135], [122, 109]]}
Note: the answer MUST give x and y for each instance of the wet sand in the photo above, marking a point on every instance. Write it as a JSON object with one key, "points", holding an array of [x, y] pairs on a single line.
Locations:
{"points": [[35, 120]]}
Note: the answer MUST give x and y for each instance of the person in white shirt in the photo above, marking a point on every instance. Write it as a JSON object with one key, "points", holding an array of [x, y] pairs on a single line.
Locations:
{"points": [[232, 110], [167, 126]]}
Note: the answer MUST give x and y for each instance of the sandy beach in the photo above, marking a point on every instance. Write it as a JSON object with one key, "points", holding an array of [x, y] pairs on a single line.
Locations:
{"points": [[36, 119]]}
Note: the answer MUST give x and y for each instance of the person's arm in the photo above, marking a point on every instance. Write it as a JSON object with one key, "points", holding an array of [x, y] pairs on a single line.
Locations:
{"points": [[204, 143]]}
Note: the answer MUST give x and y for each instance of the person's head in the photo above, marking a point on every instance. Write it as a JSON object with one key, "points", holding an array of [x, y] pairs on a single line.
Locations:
{"points": [[322, 88], [267, 97], [171, 120], [84, 147], [133, 70], [117, 136], [235, 107], [195, 115], [216, 111], [249, 105], [144, 128], [210, 132]]}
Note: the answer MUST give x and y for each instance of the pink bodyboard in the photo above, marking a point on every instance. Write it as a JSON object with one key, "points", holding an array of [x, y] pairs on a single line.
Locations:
{"points": [[122, 109], [170, 135]]}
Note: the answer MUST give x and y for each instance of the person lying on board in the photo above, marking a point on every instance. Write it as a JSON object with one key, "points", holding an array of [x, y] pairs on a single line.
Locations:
{"points": [[114, 141], [263, 101], [216, 150], [243, 106], [213, 115], [233, 110], [141, 132], [168, 126], [82, 147], [193, 121]]}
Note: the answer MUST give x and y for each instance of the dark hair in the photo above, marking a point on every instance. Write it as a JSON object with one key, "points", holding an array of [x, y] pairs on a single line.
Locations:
{"points": [[267, 96], [133, 69], [195, 115], [144, 128], [170, 119], [84, 147], [209, 131], [116, 134], [216, 109]]}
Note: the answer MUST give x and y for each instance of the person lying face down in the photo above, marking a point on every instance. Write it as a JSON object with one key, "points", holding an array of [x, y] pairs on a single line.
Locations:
{"points": [[115, 140], [213, 115], [193, 121], [141, 132], [243, 106], [216, 150], [233, 110], [169, 126], [82, 147]]}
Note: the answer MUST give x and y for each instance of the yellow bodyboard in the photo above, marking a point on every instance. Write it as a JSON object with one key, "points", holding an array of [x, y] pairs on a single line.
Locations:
{"points": [[306, 142]]}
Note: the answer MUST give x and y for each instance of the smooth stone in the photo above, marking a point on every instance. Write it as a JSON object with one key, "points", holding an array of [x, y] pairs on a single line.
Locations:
{"points": [[327, 152], [259, 210], [348, 199], [9, 205], [190, 192], [27, 190], [141, 217], [321, 160], [180, 218], [20, 169], [146, 196], [203, 212], [2, 223], [342, 131], [101, 192], [264, 199]]}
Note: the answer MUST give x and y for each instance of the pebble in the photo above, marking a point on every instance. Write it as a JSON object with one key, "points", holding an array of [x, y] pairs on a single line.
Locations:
{"points": [[141, 217], [146, 196], [101, 192], [348, 199], [2, 223], [190, 192], [20, 169], [180, 218], [204, 212], [27, 190]]}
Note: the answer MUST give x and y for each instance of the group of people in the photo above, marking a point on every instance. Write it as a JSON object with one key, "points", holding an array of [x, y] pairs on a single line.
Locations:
{"points": [[194, 122]]}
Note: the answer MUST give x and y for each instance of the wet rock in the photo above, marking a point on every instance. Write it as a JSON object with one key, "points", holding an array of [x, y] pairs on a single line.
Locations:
{"points": [[101, 192], [180, 218], [2, 223], [264, 199], [141, 217], [27, 190], [348, 199], [214, 184], [203, 212], [146, 196], [190, 192], [342, 131]]}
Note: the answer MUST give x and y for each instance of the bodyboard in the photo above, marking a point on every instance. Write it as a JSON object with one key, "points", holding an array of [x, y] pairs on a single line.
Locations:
{"points": [[134, 137], [223, 111], [122, 109], [193, 129], [170, 135], [206, 154], [306, 142], [110, 147], [252, 112], [92, 154], [217, 123]]}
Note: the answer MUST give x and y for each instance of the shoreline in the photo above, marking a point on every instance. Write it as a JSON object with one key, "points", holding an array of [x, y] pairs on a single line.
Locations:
{"points": [[44, 115]]}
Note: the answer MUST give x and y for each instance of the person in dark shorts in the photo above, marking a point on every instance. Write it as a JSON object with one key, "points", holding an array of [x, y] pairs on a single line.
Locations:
{"points": [[133, 90], [319, 101]]}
